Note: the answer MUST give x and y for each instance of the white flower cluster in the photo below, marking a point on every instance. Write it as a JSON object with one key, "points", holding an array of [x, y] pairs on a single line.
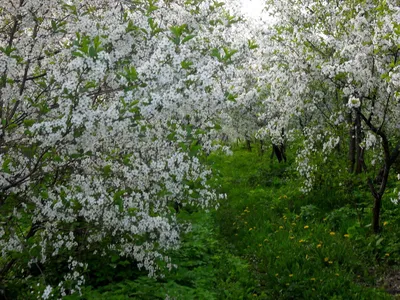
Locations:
{"points": [[106, 106]]}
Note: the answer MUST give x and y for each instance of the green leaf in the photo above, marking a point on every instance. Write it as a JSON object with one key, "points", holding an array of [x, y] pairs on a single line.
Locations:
{"points": [[29, 123], [107, 170], [92, 51], [187, 38]]}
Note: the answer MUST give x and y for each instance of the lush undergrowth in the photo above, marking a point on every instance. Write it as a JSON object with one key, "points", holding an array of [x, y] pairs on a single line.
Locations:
{"points": [[206, 270], [315, 246], [270, 241]]}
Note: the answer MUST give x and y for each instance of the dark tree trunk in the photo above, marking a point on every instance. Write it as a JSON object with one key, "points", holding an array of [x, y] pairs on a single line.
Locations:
{"points": [[279, 151], [352, 143], [360, 151], [379, 186], [248, 145]]}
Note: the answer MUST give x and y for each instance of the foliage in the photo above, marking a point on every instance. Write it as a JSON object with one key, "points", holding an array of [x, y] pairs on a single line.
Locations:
{"points": [[299, 246]]}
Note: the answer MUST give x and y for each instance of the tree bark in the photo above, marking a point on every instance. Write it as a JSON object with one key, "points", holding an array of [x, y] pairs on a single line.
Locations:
{"points": [[352, 143]]}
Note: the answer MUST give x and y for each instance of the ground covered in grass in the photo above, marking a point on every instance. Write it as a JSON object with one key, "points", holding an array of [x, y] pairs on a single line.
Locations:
{"points": [[270, 241], [315, 246]]}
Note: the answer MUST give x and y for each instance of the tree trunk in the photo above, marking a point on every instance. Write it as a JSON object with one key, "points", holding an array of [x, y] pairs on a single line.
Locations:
{"points": [[376, 211], [248, 144], [352, 143], [358, 140]]}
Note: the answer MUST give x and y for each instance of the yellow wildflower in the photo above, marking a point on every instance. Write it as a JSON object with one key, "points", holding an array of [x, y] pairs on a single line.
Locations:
{"points": [[276, 275], [313, 279], [332, 233], [337, 274], [293, 224], [319, 246], [387, 254], [280, 227], [250, 229], [385, 223], [301, 241], [326, 259], [305, 227], [290, 275], [330, 262], [346, 235]]}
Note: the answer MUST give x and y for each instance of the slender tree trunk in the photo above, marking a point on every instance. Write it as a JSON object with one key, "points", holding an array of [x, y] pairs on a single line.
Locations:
{"points": [[352, 143], [359, 151], [248, 144]]}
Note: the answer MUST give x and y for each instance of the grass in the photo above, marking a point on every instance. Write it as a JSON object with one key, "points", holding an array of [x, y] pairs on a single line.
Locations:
{"points": [[300, 246]]}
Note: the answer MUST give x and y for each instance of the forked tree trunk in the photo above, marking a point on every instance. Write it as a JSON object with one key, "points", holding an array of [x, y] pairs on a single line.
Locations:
{"points": [[379, 186]]}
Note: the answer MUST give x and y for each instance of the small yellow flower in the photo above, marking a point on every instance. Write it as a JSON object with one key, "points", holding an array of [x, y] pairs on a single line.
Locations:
{"points": [[290, 275], [293, 224], [250, 229], [280, 227], [326, 259], [313, 279], [276, 275], [301, 241], [305, 227], [385, 223], [319, 246], [332, 233], [337, 274], [330, 262], [346, 235], [387, 254]]}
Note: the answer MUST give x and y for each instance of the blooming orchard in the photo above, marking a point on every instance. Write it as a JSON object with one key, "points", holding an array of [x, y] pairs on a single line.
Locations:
{"points": [[105, 109], [332, 78]]}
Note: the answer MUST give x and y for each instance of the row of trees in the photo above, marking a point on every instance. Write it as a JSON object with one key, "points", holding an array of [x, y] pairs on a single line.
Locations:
{"points": [[332, 77], [107, 107]]}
